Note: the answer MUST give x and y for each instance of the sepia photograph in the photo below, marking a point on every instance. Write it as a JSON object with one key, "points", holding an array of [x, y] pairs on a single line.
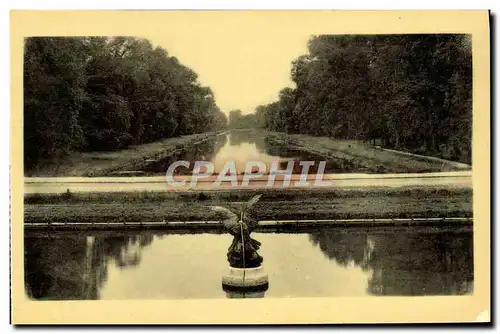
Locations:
{"points": [[211, 156]]}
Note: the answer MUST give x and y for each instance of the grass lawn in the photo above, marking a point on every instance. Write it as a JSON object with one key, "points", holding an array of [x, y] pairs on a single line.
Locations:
{"points": [[275, 204], [366, 156]]}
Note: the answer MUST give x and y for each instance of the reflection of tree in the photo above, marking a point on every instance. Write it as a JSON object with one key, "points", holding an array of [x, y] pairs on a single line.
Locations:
{"points": [[57, 268], [62, 267], [405, 263], [271, 147], [345, 248], [126, 250], [261, 143], [238, 137], [204, 151], [289, 152], [415, 263]]}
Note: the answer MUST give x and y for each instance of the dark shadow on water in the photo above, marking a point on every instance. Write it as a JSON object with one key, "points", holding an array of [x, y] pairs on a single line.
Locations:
{"points": [[76, 267], [204, 151], [405, 263]]}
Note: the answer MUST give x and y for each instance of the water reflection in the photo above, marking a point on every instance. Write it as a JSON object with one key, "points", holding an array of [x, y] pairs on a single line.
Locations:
{"points": [[240, 137], [326, 263], [241, 146], [205, 151], [405, 263], [76, 267]]}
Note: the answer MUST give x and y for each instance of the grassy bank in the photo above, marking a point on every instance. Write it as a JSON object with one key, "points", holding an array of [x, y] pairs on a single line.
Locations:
{"points": [[106, 162], [274, 204], [239, 195], [366, 157]]}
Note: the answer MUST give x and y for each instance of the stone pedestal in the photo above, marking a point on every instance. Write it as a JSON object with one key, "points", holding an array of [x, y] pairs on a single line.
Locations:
{"points": [[245, 283]]}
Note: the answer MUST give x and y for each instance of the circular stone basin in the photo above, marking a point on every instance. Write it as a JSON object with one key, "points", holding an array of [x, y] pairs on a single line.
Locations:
{"points": [[238, 278]]}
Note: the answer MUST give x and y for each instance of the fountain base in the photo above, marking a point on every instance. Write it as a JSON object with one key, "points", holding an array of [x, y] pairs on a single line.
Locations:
{"points": [[245, 278]]}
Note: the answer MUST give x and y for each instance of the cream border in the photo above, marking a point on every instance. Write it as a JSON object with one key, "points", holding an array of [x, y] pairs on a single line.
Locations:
{"points": [[304, 310]]}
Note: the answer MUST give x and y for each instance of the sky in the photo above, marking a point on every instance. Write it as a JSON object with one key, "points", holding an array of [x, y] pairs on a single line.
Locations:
{"points": [[243, 67]]}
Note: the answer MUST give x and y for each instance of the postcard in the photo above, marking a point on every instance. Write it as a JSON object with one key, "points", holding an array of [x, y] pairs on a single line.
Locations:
{"points": [[250, 167]]}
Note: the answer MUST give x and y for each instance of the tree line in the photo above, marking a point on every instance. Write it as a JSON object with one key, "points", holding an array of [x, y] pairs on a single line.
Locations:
{"points": [[237, 120], [103, 93], [410, 92]]}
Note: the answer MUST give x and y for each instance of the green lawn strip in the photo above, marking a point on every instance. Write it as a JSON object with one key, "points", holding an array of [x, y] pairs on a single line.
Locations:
{"points": [[458, 205], [361, 154], [291, 194]]}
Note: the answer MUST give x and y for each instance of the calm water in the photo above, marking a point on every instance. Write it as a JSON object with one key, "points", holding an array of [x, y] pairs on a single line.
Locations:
{"points": [[325, 263], [243, 146]]}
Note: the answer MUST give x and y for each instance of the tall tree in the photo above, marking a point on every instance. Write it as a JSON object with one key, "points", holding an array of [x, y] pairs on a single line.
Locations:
{"points": [[54, 93], [411, 91], [100, 93]]}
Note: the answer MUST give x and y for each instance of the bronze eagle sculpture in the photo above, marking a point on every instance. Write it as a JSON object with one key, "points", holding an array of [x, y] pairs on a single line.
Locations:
{"points": [[243, 250]]}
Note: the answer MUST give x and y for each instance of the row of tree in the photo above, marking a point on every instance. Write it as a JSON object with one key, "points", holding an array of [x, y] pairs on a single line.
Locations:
{"points": [[99, 93], [239, 121], [410, 91]]}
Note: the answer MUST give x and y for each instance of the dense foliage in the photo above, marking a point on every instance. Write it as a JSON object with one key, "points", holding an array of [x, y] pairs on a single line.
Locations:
{"points": [[410, 92], [239, 121], [98, 93]]}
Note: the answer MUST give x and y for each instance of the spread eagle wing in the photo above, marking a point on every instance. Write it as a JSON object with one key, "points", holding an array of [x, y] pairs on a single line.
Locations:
{"points": [[246, 213], [231, 221], [251, 202]]}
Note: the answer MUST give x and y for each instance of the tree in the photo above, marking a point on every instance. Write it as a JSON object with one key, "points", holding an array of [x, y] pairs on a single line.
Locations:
{"points": [[411, 91], [54, 93], [99, 93]]}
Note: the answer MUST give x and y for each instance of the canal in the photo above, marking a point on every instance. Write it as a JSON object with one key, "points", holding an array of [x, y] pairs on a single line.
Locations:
{"points": [[240, 146], [325, 262]]}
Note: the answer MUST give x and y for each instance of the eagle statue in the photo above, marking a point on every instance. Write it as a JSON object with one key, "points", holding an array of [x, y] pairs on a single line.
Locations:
{"points": [[243, 250]]}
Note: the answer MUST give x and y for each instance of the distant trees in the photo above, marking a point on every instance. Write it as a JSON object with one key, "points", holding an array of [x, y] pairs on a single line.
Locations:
{"points": [[239, 121], [411, 91], [99, 93]]}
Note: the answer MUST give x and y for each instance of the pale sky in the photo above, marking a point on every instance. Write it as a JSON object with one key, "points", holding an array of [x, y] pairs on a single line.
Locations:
{"points": [[243, 68]]}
